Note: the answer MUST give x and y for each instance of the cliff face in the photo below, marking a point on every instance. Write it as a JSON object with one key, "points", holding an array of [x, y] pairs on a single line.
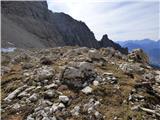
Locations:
{"points": [[30, 24], [74, 32], [27, 24]]}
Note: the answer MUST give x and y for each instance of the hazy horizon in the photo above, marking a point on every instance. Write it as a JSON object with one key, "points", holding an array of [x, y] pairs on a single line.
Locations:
{"points": [[125, 20]]}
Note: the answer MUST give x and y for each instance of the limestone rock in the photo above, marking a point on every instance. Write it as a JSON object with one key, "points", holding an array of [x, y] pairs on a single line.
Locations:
{"points": [[53, 85], [14, 93], [45, 73], [131, 68], [33, 97], [87, 90], [75, 77], [16, 106], [27, 66], [94, 54], [75, 110], [50, 94], [63, 98], [91, 106], [56, 106], [95, 83], [149, 76], [126, 68]]}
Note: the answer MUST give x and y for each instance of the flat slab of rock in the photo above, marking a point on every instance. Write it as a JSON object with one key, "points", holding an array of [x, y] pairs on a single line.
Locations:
{"points": [[53, 85], [63, 98], [14, 93]]}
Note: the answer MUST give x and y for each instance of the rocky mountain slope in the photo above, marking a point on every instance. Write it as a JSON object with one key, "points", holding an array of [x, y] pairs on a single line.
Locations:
{"points": [[29, 24], [78, 83]]}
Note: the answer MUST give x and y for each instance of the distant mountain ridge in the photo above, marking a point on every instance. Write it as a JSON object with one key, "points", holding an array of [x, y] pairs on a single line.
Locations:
{"points": [[30, 24], [151, 47]]}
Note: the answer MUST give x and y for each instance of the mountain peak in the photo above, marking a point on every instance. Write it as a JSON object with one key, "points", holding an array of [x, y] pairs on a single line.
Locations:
{"points": [[105, 37], [106, 42]]}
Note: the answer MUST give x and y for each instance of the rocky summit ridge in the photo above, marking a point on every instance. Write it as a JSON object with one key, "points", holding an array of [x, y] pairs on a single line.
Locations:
{"points": [[78, 83], [30, 24]]}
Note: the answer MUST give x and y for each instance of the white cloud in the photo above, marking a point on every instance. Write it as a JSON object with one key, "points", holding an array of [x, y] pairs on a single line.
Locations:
{"points": [[120, 20]]}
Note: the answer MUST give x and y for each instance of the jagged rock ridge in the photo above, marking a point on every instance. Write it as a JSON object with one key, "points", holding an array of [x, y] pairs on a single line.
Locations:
{"points": [[30, 24], [106, 42]]}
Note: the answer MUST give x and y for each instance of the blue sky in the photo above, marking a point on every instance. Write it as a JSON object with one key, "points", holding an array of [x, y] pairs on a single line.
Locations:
{"points": [[122, 20]]}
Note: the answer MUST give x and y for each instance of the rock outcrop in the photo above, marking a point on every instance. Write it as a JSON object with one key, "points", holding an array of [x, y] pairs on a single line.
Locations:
{"points": [[30, 24], [139, 55], [78, 76]]}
